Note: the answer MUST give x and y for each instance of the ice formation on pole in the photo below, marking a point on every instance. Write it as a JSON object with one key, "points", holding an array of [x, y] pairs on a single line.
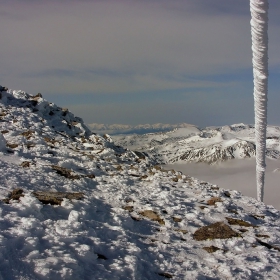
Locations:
{"points": [[259, 26]]}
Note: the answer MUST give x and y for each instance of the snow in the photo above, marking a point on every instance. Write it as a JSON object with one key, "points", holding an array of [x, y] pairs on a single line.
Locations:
{"points": [[211, 144], [104, 235]]}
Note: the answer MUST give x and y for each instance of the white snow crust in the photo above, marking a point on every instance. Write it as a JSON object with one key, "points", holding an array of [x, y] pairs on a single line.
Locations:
{"points": [[104, 235]]}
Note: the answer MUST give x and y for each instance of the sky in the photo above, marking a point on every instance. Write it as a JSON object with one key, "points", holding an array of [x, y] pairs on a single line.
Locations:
{"points": [[139, 61]]}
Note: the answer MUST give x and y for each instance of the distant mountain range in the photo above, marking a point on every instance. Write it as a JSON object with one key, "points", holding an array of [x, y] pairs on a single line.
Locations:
{"points": [[210, 145], [129, 129]]}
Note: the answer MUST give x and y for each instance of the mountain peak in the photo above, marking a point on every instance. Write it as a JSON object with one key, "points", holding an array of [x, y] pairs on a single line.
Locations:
{"points": [[76, 206]]}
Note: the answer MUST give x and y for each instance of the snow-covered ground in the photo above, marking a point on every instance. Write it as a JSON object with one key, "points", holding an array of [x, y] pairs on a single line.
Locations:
{"points": [[133, 221]]}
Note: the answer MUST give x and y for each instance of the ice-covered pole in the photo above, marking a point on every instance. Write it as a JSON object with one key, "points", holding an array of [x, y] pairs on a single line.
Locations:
{"points": [[259, 26]]}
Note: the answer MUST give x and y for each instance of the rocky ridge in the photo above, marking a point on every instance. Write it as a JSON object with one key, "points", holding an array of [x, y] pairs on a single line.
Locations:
{"points": [[117, 215]]}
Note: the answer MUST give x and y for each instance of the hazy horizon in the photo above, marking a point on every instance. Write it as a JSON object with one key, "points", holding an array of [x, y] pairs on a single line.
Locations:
{"points": [[236, 174]]}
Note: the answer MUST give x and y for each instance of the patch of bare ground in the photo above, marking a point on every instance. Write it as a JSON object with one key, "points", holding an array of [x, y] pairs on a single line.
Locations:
{"points": [[152, 216], [25, 164], [15, 195], [177, 219], [237, 222], [12, 145], [55, 198], [262, 235], [128, 208], [211, 249], [217, 230], [214, 200], [27, 134], [67, 173], [184, 231]]}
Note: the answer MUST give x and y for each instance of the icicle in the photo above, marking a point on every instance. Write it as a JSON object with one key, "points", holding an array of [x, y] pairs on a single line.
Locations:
{"points": [[259, 26]]}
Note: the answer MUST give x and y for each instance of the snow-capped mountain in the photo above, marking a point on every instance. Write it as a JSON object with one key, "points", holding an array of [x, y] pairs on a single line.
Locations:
{"points": [[212, 144], [75, 206]]}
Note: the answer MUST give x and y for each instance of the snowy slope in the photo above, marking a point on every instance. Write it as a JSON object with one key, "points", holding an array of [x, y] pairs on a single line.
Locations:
{"points": [[212, 144], [134, 220]]}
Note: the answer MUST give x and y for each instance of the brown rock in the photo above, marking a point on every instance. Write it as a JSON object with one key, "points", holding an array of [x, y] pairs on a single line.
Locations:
{"points": [[27, 134], [213, 200], [262, 235], [184, 231], [217, 230], [211, 249], [15, 195], [165, 275], [65, 172], [128, 208], [238, 222], [25, 164], [152, 216], [12, 145], [177, 219], [55, 198]]}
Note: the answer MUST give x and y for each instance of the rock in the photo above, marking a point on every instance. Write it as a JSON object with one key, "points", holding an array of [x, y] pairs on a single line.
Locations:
{"points": [[217, 230], [262, 235], [177, 219], [3, 89], [15, 195], [65, 172], [184, 231], [140, 154], [27, 134], [25, 164], [211, 249], [165, 274], [238, 222], [213, 200], [152, 216], [227, 194], [128, 208], [55, 198], [12, 145], [269, 246]]}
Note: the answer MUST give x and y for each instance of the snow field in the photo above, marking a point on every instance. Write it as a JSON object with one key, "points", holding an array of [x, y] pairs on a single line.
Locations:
{"points": [[107, 234]]}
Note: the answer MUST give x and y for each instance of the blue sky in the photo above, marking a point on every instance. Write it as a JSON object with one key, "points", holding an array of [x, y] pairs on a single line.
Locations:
{"points": [[139, 61]]}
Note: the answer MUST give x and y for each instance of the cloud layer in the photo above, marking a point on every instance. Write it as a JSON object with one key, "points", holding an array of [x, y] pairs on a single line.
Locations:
{"points": [[125, 47]]}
